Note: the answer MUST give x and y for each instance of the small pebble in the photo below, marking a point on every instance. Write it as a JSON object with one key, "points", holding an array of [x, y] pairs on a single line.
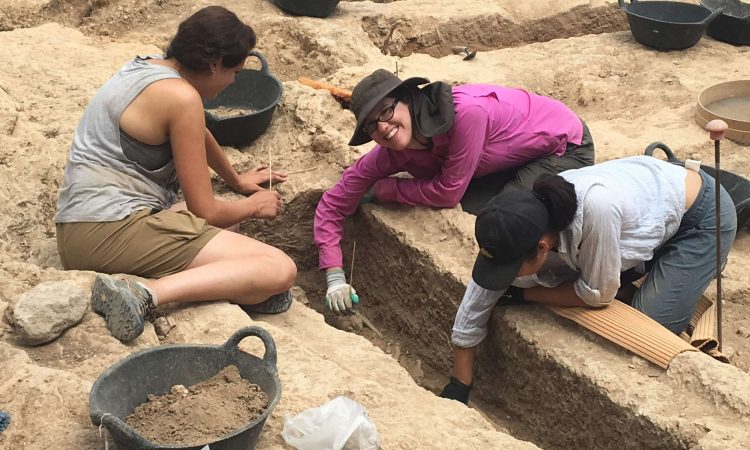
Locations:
{"points": [[162, 326], [179, 389]]}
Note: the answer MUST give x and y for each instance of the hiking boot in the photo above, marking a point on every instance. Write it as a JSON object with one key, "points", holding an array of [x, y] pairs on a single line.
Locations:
{"points": [[125, 305], [275, 304]]}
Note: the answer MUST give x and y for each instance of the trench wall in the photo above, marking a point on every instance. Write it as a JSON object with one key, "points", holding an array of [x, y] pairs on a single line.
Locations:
{"points": [[574, 389]]}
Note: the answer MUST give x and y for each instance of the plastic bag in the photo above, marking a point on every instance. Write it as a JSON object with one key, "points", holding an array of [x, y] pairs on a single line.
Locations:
{"points": [[340, 424]]}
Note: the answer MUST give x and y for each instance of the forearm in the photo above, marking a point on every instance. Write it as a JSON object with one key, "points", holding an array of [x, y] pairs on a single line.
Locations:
{"points": [[562, 295], [218, 161], [414, 192], [224, 214], [463, 363]]}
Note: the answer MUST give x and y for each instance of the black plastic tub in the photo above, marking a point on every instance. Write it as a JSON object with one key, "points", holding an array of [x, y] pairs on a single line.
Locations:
{"points": [[125, 385], [737, 186], [667, 25], [312, 8], [733, 24], [255, 90]]}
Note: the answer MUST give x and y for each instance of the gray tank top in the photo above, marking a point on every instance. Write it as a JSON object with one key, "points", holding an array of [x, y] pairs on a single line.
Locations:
{"points": [[102, 183]]}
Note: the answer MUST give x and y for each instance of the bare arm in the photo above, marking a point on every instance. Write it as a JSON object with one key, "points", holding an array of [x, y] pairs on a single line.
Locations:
{"points": [[562, 295], [218, 161], [247, 182], [186, 125], [463, 363]]}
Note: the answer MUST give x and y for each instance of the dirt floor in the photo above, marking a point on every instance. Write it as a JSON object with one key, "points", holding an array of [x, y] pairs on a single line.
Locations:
{"points": [[56, 54]]}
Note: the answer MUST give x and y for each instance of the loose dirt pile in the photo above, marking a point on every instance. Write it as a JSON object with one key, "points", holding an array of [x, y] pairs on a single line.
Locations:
{"points": [[200, 413]]}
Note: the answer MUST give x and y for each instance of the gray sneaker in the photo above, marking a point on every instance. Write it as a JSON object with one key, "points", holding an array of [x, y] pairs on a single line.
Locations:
{"points": [[275, 304], [125, 305]]}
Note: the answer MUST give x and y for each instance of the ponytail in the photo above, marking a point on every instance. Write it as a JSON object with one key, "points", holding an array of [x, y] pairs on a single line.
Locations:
{"points": [[559, 197]]}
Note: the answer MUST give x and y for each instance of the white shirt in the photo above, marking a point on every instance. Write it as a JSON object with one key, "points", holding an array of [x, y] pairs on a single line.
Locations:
{"points": [[627, 209]]}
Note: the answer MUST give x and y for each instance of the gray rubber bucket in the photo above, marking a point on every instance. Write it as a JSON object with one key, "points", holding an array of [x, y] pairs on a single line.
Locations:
{"points": [[257, 90], [125, 385], [736, 186]]}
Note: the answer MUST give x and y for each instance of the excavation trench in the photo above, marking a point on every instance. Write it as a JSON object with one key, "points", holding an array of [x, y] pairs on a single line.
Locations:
{"points": [[412, 302], [404, 35]]}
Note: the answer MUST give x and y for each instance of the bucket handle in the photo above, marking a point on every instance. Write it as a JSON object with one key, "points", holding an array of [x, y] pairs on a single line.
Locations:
{"points": [[712, 16], [231, 345], [663, 147], [621, 3], [263, 62]]}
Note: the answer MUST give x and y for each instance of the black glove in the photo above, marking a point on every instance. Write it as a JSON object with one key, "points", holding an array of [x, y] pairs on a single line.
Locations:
{"points": [[455, 390], [512, 296]]}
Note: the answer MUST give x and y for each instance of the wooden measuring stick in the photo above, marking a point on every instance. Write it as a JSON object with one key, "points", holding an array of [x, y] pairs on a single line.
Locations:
{"points": [[351, 267], [270, 172]]}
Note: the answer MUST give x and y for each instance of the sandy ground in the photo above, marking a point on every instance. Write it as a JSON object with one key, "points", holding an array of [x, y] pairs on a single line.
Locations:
{"points": [[57, 53]]}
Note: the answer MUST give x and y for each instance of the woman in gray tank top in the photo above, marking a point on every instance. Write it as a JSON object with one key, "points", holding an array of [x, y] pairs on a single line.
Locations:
{"points": [[142, 138]]}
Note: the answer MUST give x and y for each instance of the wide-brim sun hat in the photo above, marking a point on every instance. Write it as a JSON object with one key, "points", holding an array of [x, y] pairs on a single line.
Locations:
{"points": [[369, 92]]}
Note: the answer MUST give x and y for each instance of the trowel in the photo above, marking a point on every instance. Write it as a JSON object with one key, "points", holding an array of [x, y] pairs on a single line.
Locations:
{"points": [[457, 50]]}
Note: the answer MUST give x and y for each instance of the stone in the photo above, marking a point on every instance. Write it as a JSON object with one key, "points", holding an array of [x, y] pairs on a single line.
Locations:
{"points": [[162, 326], [42, 313]]}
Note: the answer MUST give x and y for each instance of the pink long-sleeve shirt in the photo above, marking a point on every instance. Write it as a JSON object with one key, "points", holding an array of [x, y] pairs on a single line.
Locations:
{"points": [[495, 129]]}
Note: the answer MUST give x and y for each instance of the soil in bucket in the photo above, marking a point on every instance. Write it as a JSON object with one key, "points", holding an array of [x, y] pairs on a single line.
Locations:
{"points": [[200, 413], [223, 112]]}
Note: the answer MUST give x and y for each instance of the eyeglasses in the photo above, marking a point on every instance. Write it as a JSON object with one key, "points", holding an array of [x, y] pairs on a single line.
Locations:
{"points": [[385, 115]]}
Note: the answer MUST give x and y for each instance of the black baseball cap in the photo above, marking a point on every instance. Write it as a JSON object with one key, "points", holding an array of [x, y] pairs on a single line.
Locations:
{"points": [[507, 230], [369, 92]]}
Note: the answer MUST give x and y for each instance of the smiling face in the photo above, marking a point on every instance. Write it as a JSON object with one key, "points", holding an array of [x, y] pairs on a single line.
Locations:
{"points": [[391, 125]]}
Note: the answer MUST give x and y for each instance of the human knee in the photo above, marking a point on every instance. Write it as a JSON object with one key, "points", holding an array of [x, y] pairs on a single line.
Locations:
{"points": [[285, 270], [288, 272]]}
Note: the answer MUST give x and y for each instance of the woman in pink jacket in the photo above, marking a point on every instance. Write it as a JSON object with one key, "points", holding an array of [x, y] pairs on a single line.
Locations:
{"points": [[461, 144]]}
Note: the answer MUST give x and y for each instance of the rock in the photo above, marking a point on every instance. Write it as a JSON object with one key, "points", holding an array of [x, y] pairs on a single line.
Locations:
{"points": [[744, 332], [179, 389], [41, 314], [162, 326]]}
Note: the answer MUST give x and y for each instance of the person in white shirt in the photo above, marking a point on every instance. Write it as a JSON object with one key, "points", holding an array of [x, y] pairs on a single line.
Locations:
{"points": [[568, 241]]}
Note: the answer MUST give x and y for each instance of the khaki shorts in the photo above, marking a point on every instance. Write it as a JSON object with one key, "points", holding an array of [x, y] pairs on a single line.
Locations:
{"points": [[146, 243]]}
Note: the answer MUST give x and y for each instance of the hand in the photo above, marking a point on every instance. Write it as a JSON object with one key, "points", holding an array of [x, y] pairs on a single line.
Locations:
{"points": [[512, 296], [267, 204], [369, 196], [340, 296], [250, 181], [456, 390]]}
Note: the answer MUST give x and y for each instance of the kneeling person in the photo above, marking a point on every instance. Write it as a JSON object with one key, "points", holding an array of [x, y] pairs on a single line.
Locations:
{"points": [[567, 241]]}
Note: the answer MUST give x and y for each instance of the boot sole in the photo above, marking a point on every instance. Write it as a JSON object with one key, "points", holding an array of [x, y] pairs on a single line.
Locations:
{"points": [[276, 304], [107, 300]]}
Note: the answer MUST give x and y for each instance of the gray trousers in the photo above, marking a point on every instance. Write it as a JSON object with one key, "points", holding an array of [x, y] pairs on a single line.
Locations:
{"points": [[684, 266], [482, 189]]}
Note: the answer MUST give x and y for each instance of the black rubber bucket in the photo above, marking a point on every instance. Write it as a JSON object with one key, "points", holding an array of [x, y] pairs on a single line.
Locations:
{"points": [[665, 25], [312, 8], [733, 24], [257, 90], [125, 385], [737, 186]]}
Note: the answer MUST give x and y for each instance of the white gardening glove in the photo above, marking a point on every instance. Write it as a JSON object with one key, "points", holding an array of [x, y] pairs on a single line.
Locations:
{"points": [[340, 296]]}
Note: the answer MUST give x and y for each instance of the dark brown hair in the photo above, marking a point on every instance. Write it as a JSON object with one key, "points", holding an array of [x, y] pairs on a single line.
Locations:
{"points": [[211, 33], [559, 197]]}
